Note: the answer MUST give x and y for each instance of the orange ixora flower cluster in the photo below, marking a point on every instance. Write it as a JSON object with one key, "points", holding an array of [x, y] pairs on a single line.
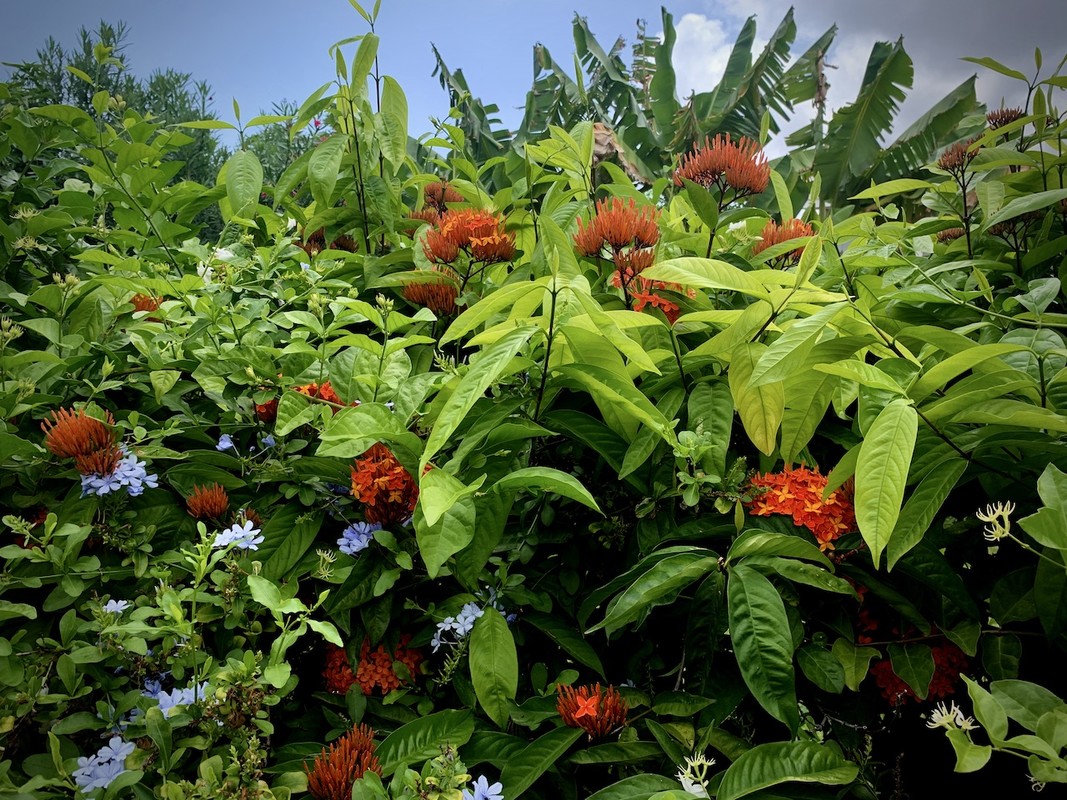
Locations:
{"points": [[208, 502], [348, 759], [268, 411], [596, 711], [798, 493], [385, 488], [478, 233], [337, 673], [375, 669], [773, 234], [627, 234], [145, 302], [727, 165], [323, 391], [439, 296], [89, 441], [437, 195], [316, 243]]}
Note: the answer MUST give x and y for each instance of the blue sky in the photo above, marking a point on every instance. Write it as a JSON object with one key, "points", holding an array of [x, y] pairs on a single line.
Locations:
{"points": [[260, 51]]}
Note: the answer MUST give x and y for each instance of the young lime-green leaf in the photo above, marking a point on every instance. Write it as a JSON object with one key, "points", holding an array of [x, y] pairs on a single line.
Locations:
{"points": [[889, 188], [1049, 525], [363, 60], [787, 353], [970, 757], [882, 473], [546, 479], [782, 196], [450, 534], [491, 363], [440, 490], [323, 167], [763, 644], [494, 665], [774, 763], [706, 273], [761, 408], [244, 182]]}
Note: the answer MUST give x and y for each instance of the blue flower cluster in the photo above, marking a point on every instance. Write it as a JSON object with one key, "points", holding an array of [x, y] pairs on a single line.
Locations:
{"points": [[175, 699], [129, 474], [245, 536], [116, 606], [484, 791], [99, 770], [451, 630], [357, 537]]}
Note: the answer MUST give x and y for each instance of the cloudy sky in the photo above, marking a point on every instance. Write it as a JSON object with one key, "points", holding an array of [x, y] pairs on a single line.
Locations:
{"points": [[260, 51]]}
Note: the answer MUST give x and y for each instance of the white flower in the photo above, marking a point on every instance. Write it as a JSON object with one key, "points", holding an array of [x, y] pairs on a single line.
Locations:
{"points": [[222, 253], [205, 272], [693, 775], [950, 718], [998, 516]]}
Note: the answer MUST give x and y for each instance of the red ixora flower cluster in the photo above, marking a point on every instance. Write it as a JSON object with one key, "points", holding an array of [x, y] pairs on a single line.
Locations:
{"points": [[348, 759], [145, 302], [323, 391], [439, 296], [479, 233], [385, 488], [773, 234], [89, 441], [596, 711], [315, 243], [337, 673], [376, 670], [739, 166], [798, 493]]}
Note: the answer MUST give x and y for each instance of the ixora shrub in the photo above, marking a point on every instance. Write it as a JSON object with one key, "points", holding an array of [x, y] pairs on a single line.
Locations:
{"points": [[475, 480]]}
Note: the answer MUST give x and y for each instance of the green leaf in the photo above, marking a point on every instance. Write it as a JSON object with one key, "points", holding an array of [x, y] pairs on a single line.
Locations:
{"points": [[658, 585], [244, 182], [1049, 525], [761, 408], [800, 572], [163, 381], [882, 472], [491, 363], [208, 125], [782, 196], [821, 668], [571, 640], [520, 773], [423, 738], [494, 665], [970, 757], [996, 66], [636, 787], [1034, 201], [863, 374], [955, 365], [767, 543], [277, 674], [763, 644], [854, 660], [503, 299], [323, 167], [889, 188], [767, 765], [914, 664], [617, 753], [450, 534], [923, 506], [619, 391], [159, 732], [706, 273], [546, 479], [363, 60], [264, 592], [786, 355], [440, 490]]}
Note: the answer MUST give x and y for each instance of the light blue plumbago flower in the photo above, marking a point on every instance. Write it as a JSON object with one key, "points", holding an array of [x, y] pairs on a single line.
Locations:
{"points": [[99, 770], [116, 750], [116, 606], [451, 630], [466, 617], [225, 443], [244, 536], [179, 698], [483, 790], [357, 537], [130, 473], [269, 441]]}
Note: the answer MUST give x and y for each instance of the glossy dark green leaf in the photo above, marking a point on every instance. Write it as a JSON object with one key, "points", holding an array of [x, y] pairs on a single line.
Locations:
{"points": [[523, 770], [494, 665], [767, 765], [423, 738], [763, 645]]}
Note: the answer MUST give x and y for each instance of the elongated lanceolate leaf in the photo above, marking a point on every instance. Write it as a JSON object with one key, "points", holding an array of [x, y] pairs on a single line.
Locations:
{"points": [[494, 665], [882, 472], [767, 765], [761, 408], [422, 738], [763, 644]]}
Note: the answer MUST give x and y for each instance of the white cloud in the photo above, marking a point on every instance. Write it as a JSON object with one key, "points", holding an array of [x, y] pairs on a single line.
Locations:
{"points": [[700, 53]]}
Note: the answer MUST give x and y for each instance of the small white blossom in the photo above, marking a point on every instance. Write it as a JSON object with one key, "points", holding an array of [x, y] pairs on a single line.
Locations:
{"points": [[998, 516], [693, 775], [950, 718]]}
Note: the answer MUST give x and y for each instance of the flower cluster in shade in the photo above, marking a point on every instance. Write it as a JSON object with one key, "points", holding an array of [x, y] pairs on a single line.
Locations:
{"points": [[483, 790], [375, 669], [105, 466], [798, 493], [452, 630], [100, 769], [438, 295], [244, 535], [315, 243], [386, 490], [726, 165], [347, 760], [357, 537], [627, 235], [949, 660], [145, 302], [774, 234], [595, 710], [479, 234]]}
